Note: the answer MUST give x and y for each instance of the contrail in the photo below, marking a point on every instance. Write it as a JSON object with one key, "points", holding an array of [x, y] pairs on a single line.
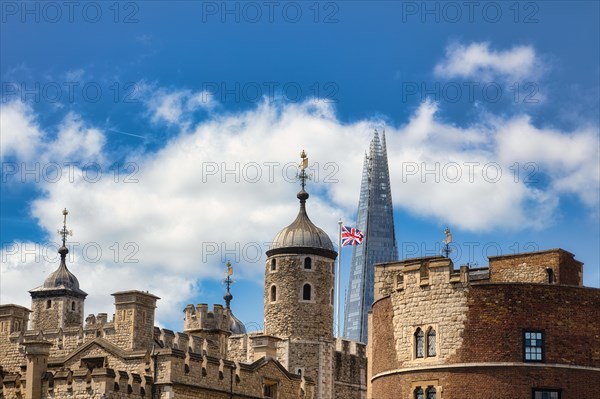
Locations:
{"points": [[128, 134]]}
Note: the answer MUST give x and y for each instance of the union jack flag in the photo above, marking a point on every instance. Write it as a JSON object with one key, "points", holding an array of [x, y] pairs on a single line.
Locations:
{"points": [[351, 236]]}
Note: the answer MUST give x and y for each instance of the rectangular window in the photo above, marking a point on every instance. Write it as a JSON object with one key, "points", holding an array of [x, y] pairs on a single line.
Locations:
{"points": [[270, 390], [546, 393], [533, 344]]}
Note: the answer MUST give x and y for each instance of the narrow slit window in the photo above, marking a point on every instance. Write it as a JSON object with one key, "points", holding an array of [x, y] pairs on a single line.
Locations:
{"points": [[431, 342], [307, 263], [419, 343], [306, 292]]}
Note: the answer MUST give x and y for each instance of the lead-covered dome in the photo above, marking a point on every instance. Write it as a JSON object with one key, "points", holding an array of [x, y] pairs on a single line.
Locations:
{"points": [[61, 279], [302, 235], [236, 326]]}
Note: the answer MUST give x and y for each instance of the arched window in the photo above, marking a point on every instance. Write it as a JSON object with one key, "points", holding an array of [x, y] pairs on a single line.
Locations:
{"points": [[48, 304], [73, 305], [419, 394], [431, 393], [273, 264], [306, 292], [273, 293], [419, 343], [307, 263], [431, 342]]}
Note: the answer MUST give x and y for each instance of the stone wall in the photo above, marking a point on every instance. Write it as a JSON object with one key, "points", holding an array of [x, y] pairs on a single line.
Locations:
{"points": [[533, 267], [97, 384], [134, 319], [421, 296], [60, 314], [349, 370], [186, 375], [290, 314]]}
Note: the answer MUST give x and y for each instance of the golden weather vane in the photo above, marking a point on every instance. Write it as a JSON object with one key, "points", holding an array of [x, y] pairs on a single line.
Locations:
{"points": [[446, 251], [303, 176]]}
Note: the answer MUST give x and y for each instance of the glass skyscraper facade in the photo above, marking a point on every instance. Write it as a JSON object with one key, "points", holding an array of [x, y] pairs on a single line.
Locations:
{"points": [[375, 218]]}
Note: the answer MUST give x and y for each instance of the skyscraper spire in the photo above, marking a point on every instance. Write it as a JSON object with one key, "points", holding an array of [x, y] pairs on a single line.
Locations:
{"points": [[375, 218]]}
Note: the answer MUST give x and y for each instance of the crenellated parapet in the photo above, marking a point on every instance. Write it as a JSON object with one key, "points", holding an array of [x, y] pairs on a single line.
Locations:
{"points": [[13, 318], [349, 368], [66, 383], [396, 277], [201, 318], [190, 374]]}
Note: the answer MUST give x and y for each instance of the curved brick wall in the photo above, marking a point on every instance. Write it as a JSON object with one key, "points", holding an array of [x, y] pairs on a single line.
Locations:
{"points": [[479, 325]]}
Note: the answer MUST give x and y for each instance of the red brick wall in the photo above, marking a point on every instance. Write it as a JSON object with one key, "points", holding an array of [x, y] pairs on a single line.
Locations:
{"points": [[383, 342], [493, 383], [498, 313], [570, 270]]}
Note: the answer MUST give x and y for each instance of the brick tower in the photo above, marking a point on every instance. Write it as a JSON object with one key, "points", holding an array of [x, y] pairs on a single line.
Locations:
{"points": [[298, 298]]}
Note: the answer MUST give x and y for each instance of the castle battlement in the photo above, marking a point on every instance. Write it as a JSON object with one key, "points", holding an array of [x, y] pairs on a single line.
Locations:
{"points": [[201, 318], [553, 266], [419, 272], [77, 383], [349, 347]]}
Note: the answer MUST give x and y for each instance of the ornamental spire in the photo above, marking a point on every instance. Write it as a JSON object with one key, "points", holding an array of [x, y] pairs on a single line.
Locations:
{"points": [[228, 281], [303, 177], [447, 250], [63, 251]]}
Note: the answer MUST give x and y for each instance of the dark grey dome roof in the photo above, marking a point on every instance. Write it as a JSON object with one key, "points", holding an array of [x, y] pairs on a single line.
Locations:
{"points": [[236, 326], [61, 279], [302, 233]]}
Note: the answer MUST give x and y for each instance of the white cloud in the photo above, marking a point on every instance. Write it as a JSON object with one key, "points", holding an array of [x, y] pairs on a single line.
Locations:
{"points": [[169, 106], [20, 132], [23, 138], [478, 61], [224, 186]]}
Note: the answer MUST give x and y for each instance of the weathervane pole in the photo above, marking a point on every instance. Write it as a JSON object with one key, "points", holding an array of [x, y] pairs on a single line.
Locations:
{"points": [[338, 276]]}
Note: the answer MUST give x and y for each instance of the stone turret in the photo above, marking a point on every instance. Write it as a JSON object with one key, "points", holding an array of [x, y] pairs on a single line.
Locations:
{"points": [[134, 319], [13, 318], [58, 303], [298, 296]]}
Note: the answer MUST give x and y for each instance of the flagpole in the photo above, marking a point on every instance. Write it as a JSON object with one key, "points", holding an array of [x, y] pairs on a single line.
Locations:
{"points": [[338, 275]]}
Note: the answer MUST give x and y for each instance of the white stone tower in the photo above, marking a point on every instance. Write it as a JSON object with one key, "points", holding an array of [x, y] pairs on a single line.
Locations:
{"points": [[298, 298]]}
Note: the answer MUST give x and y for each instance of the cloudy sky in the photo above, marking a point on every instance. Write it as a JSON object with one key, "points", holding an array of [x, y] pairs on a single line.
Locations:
{"points": [[171, 132]]}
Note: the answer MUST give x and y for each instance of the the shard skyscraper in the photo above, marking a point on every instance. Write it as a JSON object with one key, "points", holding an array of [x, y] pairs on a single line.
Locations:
{"points": [[375, 219]]}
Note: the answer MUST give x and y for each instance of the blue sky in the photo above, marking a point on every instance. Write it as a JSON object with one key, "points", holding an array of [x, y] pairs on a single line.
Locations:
{"points": [[169, 131]]}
